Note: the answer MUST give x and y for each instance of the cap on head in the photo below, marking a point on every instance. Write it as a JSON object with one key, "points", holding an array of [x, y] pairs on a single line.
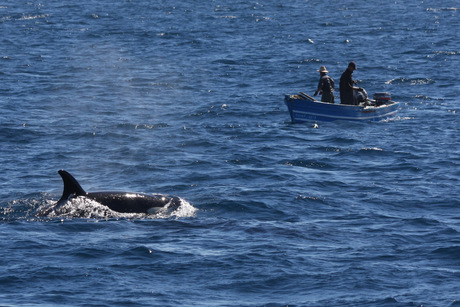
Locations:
{"points": [[323, 69], [352, 64]]}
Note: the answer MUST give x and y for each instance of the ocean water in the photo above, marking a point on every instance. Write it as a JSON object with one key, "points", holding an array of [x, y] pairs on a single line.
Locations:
{"points": [[186, 99]]}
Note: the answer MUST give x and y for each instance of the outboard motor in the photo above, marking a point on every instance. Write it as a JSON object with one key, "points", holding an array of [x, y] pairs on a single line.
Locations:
{"points": [[382, 98]]}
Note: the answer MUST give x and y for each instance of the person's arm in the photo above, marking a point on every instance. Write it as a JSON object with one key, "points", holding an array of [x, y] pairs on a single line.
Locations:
{"points": [[355, 87], [319, 88], [351, 82]]}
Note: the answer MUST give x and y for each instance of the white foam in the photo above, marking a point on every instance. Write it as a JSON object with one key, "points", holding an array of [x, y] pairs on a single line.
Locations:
{"points": [[83, 207]]}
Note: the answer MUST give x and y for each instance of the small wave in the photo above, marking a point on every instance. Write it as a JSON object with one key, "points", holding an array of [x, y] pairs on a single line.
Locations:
{"points": [[31, 17], [447, 52], [142, 126], [449, 253], [226, 62], [443, 9], [308, 164], [411, 81], [397, 118], [372, 149], [312, 60]]}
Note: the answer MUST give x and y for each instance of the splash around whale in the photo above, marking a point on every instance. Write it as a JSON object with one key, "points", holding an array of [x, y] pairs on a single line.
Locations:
{"points": [[122, 202]]}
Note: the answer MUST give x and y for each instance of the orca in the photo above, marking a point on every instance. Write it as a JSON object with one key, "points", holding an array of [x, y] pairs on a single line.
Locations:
{"points": [[123, 202]]}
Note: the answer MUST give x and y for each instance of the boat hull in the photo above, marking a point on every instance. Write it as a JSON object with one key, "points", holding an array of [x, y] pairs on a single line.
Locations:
{"points": [[306, 110]]}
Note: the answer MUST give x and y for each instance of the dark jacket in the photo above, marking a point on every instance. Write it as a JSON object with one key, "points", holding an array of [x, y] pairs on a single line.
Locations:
{"points": [[346, 81], [346, 87], [326, 84]]}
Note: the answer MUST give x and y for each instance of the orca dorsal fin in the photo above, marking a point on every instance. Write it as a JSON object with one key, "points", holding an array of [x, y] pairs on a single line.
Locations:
{"points": [[71, 186]]}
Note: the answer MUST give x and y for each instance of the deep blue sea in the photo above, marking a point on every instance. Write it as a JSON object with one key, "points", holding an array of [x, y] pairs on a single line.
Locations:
{"points": [[185, 98]]}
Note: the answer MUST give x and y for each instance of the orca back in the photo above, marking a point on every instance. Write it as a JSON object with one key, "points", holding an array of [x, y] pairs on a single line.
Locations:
{"points": [[133, 202], [117, 201]]}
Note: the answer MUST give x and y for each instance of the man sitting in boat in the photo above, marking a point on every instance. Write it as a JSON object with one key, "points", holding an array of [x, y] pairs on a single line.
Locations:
{"points": [[347, 87], [325, 86]]}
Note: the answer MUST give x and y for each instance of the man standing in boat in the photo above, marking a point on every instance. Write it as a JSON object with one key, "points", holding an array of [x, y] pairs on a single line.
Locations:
{"points": [[347, 85], [325, 86]]}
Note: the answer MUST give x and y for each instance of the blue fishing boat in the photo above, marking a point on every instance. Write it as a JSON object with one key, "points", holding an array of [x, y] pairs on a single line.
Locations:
{"points": [[304, 108]]}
